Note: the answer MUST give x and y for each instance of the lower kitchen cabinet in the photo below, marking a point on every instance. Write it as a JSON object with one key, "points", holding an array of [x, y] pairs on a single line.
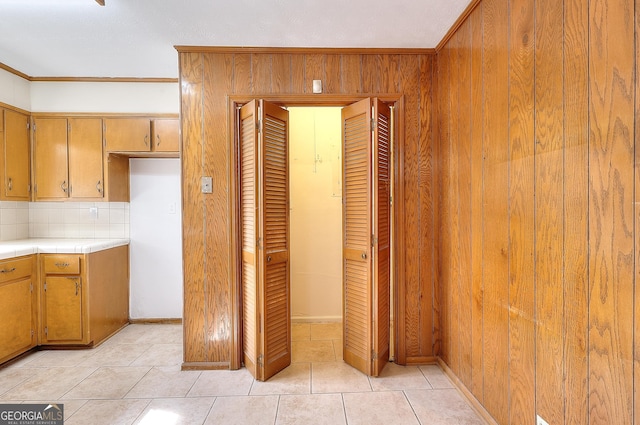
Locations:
{"points": [[85, 297], [18, 301]]}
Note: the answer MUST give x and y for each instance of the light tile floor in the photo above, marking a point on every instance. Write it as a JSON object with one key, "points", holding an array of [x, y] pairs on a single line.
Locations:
{"points": [[135, 378]]}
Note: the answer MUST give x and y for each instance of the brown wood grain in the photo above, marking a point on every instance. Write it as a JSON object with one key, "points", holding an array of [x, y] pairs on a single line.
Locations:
{"points": [[409, 81], [636, 313], [426, 201], [314, 70], [453, 188], [549, 199], [332, 76], [261, 74], [496, 233], [576, 215], [351, 74], [298, 73], [242, 82], [281, 78], [477, 166], [521, 214], [191, 74], [611, 243], [372, 79], [464, 201]]}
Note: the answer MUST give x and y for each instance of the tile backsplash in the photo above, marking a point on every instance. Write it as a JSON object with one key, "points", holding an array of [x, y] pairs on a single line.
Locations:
{"points": [[14, 220], [103, 220]]}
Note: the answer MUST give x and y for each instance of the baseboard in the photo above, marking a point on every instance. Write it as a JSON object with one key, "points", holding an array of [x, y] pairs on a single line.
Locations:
{"points": [[462, 389], [155, 321], [316, 319], [206, 366]]}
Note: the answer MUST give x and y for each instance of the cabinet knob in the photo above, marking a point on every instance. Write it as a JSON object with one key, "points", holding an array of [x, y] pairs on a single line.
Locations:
{"points": [[99, 186], [10, 184], [63, 186]]}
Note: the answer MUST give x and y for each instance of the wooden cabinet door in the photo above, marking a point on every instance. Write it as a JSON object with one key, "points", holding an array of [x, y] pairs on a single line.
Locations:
{"points": [[86, 175], [16, 316], [166, 135], [63, 309], [17, 157], [127, 134], [264, 186], [366, 235], [50, 158]]}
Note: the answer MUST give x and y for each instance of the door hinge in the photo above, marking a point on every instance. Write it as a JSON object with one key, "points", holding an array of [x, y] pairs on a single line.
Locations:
{"points": [[374, 240], [259, 243], [260, 359], [373, 124], [35, 188], [259, 323], [32, 333], [68, 126], [374, 355], [29, 188], [46, 330], [29, 125], [45, 286], [31, 287], [34, 126], [259, 126]]}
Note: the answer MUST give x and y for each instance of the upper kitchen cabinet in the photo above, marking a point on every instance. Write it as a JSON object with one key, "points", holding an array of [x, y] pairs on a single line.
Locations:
{"points": [[15, 166], [68, 158], [140, 136]]}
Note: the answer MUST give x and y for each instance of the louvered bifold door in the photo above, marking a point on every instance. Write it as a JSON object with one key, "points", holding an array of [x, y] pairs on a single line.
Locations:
{"points": [[274, 207], [357, 206], [381, 153], [248, 142]]}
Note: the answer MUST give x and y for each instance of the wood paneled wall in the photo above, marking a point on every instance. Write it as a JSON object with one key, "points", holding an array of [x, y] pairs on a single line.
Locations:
{"points": [[538, 245], [207, 78]]}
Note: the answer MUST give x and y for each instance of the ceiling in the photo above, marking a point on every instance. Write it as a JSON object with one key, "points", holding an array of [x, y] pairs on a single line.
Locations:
{"points": [[135, 38]]}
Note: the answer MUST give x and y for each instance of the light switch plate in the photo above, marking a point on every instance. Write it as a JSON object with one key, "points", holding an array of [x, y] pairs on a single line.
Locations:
{"points": [[317, 86], [207, 184]]}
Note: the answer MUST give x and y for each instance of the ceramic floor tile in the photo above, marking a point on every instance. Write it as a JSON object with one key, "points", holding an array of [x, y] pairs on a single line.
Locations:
{"points": [[116, 355], [395, 377], [300, 331], [160, 355], [70, 406], [312, 351], [109, 382], [25, 359], [311, 409], [11, 377], [161, 334], [436, 376], [108, 412], [442, 407], [164, 382], [222, 383], [51, 384], [384, 408], [323, 331], [131, 334], [337, 377], [295, 379], [176, 411], [254, 410], [59, 358]]}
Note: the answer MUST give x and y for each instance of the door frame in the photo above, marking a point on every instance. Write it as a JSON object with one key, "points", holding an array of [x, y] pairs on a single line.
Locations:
{"points": [[398, 258]]}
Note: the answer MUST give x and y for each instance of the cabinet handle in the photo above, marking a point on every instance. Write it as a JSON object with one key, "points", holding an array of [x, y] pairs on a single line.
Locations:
{"points": [[63, 186], [62, 265], [146, 140], [10, 184], [13, 269], [99, 186], [77, 287], [158, 137], [268, 258]]}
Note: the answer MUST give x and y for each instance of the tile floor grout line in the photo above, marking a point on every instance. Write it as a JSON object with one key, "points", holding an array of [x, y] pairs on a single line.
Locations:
{"points": [[404, 392]]}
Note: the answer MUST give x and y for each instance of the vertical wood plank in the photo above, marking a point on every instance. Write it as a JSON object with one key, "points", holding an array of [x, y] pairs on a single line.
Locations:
{"points": [[454, 207], [496, 230], [521, 214], [441, 329], [218, 290], [298, 74], [191, 75], [409, 80], [426, 198], [636, 314], [314, 70], [477, 204], [576, 219], [261, 73], [242, 73], [332, 75], [372, 73], [281, 73], [389, 81], [611, 155], [464, 203], [351, 73]]}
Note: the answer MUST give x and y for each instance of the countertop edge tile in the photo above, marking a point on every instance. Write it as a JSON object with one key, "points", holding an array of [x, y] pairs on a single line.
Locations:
{"points": [[18, 248]]}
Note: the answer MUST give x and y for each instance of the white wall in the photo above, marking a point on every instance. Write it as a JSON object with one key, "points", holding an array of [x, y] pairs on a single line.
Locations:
{"points": [[316, 213], [14, 90], [156, 239], [105, 97]]}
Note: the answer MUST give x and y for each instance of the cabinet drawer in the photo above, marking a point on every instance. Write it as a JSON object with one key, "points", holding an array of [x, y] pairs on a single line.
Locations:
{"points": [[62, 264], [15, 269]]}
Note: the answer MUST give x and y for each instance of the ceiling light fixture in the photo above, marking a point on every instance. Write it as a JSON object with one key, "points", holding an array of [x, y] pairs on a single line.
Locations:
{"points": [[100, 2]]}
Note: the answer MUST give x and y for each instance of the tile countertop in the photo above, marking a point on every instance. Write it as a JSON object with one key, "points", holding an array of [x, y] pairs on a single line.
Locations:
{"points": [[10, 249]]}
